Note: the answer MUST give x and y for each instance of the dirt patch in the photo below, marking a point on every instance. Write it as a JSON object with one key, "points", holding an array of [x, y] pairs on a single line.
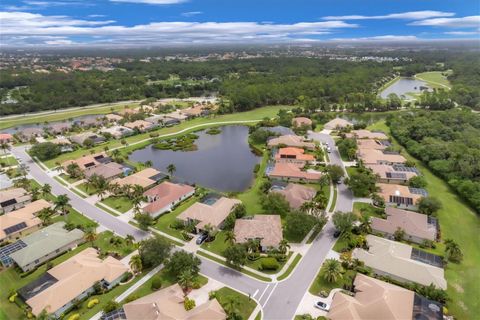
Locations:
{"points": [[462, 305], [458, 288]]}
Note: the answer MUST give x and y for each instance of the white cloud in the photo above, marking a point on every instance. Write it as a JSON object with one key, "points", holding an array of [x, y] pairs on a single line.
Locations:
{"points": [[412, 15], [59, 42], [157, 2], [463, 33], [28, 24], [191, 13], [96, 16], [464, 22], [378, 38]]}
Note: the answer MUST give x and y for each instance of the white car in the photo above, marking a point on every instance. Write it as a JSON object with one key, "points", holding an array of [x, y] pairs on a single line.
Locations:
{"points": [[322, 306], [329, 150]]}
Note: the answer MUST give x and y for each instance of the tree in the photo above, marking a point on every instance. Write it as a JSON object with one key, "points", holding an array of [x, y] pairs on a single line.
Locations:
{"points": [[362, 183], [230, 237], [231, 307], [144, 220], [73, 170], [365, 224], [129, 239], [323, 182], [110, 306], [332, 270], [335, 172], [417, 182], [148, 163], [275, 203], [429, 205], [136, 263], [343, 222], [399, 234], [45, 150], [171, 168], [239, 210], [45, 215], [236, 255], [154, 251], [283, 246], [90, 236], [185, 280], [182, 261], [298, 225], [452, 251], [62, 202], [46, 189]]}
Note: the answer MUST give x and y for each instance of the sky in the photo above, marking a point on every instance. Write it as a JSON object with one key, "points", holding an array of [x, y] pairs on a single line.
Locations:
{"points": [[61, 23]]}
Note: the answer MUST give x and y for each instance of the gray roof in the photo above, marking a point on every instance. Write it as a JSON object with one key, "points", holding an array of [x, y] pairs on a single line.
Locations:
{"points": [[45, 241]]}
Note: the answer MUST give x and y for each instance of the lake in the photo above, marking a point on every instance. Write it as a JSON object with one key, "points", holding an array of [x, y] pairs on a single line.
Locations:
{"points": [[222, 162], [403, 86], [20, 127]]}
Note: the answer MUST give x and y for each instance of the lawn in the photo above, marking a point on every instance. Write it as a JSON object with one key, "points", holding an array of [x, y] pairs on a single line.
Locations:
{"points": [[243, 304], [360, 208], [257, 263], [435, 79], [218, 245], [204, 122], [8, 161], [459, 222], [122, 204], [320, 284], [165, 220], [105, 244], [90, 190], [67, 178], [351, 170], [291, 267]]}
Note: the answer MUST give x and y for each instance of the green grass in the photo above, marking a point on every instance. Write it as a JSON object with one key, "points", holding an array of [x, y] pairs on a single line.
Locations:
{"points": [[334, 200], [8, 161], [90, 190], [104, 244], [165, 220], [67, 178], [122, 204], [257, 264], [351, 170], [257, 114], [459, 222], [106, 210], [360, 208], [435, 79], [244, 304], [320, 284], [291, 267], [218, 245], [78, 193], [61, 181]]}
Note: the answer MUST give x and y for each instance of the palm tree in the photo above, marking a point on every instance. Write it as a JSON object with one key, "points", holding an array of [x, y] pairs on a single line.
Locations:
{"points": [[253, 245], [185, 280], [332, 270], [230, 237], [116, 153], [114, 188], [45, 215], [231, 307], [34, 190], [136, 263], [324, 181], [90, 236], [148, 163], [365, 224], [62, 202], [46, 189], [171, 169], [453, 251], [283, 246], [129, 239], [306, 207]]}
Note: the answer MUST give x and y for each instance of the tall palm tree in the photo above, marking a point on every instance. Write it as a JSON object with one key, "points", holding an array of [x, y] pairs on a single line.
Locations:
{"points": [[136, 263], [230, 237], [365, 224], [62, 202], [46, 189], [35, 192], [114, 188], [306, 207], [90, 236], [185, 280], [171, 169], [129, 239], [45, 215], [332, 270], [324, 181], [283, 246]]}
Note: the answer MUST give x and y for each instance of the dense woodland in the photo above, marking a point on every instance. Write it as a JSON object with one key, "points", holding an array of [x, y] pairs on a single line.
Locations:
{"points": [[243, 84], [448, 142]]}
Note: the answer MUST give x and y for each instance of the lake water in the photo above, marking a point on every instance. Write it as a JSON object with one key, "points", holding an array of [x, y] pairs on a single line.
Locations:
{"points": [[402, 86], [20, 127], [222, 162]]}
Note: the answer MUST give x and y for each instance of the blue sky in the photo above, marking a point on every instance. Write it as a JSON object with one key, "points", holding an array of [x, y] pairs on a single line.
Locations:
{"points": [[172, 22]]}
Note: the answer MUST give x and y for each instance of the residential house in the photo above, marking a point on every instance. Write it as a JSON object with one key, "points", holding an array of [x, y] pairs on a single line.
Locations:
{"points": [[301, 121], [118, 132], [88, 161], [293, 155], [70, 281], [290, 141], [196, 111], [28, 133], [400, 195], [6, 138], [22, 222], [144, 178], [374, 299], [400, 262], [374, 156], [167, 303], [44, 245], [89, 121], [81, 137], [59, 128], [141, 125], [127, 112], [364, 144], [296, 194], [109, 171], [64, 143], [266, 228], [213, 214], [286, 171], [165, 196], [396, 174], [111, 117], [418, 227], [13, 199], [337, 123], [366, 134]]}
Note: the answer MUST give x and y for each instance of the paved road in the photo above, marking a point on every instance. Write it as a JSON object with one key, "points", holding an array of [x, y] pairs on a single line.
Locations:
{"points": [[78, 203]]}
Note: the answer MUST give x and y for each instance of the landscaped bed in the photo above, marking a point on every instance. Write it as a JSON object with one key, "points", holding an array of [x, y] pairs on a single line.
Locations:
{"points": [[244, 305], [320, 285]]}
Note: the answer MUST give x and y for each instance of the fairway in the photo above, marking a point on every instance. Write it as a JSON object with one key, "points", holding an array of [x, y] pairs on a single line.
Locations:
{"points": [[435, 79]]}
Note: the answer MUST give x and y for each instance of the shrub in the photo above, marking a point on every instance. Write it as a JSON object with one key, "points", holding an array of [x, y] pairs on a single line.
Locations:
{"points": [[269, 264], [92, 303], [188, 304], [13, 297], [131, 298], [75, 316], [212, 295], [156, 283], [177, 225], [110, 306]]}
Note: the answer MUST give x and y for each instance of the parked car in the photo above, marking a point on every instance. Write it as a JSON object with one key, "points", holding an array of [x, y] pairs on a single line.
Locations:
{"points": [[201, 238], [329, 150], [336, 234], [322, 306]]}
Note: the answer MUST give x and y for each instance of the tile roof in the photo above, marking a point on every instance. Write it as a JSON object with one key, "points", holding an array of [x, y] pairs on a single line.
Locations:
{"points": [[299, 121], [213, 214], [291, 170], [374, 156], [297, 194], [166, 193], [25, 216], [387, 190], [20, 195], [141, 178], [267, 228], [290, 141], [337, 123]]}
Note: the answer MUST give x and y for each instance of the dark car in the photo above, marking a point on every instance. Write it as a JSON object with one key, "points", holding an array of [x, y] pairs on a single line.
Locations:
{"points": [[201, 238], [336, 234]]}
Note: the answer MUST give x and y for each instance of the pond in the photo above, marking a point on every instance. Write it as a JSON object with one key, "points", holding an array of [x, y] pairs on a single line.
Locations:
{"points": [[222, 162], [404, 86]]}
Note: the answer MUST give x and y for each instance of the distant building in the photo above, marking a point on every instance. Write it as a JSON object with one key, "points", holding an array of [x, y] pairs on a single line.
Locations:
{"points": [[6, 138], [111, 117], [373, 144], [118, 132], [374, 156], [144, 178], [290, 141], [366, 134], [282, 131], [301, 121], [28, 133], [293, 155], [81, 137], [141, 125]]}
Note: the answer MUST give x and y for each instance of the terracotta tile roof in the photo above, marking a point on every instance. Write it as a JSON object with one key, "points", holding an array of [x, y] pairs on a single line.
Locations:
{"points": [[213, 214], [86, 161], [6, 137], [166, 193], [291, 170], [387, 190], [140, 124], [106, 170], [26, 215], [113, 117], [75, 275], [373, 300], [293, 153], [373, 156], [267, 228], [366, 134], [297, 194], [299, 121], [370, 144], [20, 195]]}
